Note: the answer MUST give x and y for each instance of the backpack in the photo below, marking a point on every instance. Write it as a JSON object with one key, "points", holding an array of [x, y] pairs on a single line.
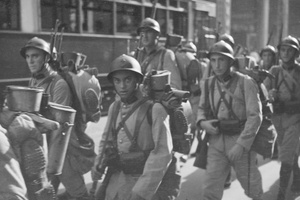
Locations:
{"points": [[194, 74], [182, 140]]}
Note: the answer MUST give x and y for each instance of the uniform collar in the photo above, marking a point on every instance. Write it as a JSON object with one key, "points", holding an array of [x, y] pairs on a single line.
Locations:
{"points": [[44, 72]]}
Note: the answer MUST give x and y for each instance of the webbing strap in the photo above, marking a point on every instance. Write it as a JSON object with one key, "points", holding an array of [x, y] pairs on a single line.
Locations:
{"points": [[283, 80], [215, 109], [122, 123]]}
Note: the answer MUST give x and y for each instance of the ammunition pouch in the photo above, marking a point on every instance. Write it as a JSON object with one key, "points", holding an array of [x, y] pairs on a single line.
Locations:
{"points": [[231, 127], [290, 107], [133, 162]]}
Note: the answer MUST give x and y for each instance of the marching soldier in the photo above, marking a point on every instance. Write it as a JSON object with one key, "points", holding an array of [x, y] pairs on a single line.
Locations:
{"points": [[155, 57], [143, 148], [37, 54], [230, 113], [268, 57], [284, 91]]}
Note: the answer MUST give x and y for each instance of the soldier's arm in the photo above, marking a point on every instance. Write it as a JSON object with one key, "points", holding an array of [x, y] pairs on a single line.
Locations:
{"points": [[253, 113], [159, 158]]}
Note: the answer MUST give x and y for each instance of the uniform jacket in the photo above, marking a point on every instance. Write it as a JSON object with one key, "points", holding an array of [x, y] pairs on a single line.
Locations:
{"points": [[160, 59], [53, 84], [246, 105], [285, 81], [155, 137]]}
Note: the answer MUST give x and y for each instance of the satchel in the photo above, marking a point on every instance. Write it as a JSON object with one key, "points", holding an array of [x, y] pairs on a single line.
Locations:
{"points": [[265, 138], [133, 162], [231, 127], [82, 154]]}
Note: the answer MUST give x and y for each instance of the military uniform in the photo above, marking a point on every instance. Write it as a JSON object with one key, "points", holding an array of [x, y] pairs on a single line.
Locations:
{"points": [[287, 124], [53, 84], [235, 98], [160, 59], [156, 138], [218, 166]]}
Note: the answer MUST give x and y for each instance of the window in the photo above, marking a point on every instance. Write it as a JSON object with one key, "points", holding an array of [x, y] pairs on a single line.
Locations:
{"points": [[178, 23], [9, 15], [64, 10], [128, 18], [97, 17]]}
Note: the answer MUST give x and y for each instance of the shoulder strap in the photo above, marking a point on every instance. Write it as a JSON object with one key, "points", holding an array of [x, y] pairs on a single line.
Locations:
{"points": [[122, 123], [142, 113], [162, 59]]}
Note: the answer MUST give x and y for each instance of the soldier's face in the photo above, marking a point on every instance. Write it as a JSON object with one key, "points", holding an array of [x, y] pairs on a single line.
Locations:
{"points": [[125, 83], [35, 59], [149, 37], [220, 64], [287, 53], [267, 58]]}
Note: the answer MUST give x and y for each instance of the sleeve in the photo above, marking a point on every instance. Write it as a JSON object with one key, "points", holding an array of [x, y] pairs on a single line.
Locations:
{"points": [[104, 134], [160, 157], [253, 113], [61, 93], [203, 108], [171, 65]]}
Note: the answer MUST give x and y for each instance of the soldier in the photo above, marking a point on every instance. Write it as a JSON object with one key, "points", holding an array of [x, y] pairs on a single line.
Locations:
{"points": [[155, 57], [12, 182], [192, 70], [268, 57], [141, 178], [37, 55], [152, 56], [284, 91], [230, 113]]}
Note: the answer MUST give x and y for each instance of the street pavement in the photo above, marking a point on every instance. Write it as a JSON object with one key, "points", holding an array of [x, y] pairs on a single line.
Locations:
{"points": [[192, 177]]}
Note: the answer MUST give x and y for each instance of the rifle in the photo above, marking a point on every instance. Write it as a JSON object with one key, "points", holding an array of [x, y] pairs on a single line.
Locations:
{"points": [[153, 9], [54, 60], [217, 31], [279, 41]]}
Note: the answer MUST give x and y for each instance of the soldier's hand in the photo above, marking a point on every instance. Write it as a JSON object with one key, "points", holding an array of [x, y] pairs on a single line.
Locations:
{"points": [[96, 175], [210, 126], [236, 152], [273, 95]]}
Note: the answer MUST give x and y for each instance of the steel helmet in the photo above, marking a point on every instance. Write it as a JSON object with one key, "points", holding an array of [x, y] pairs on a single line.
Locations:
{"points": [[289, 41], [190, 47], [222, 48], [149, 23], [125, 63], [227, 38], [269, 48], [37, 43]]}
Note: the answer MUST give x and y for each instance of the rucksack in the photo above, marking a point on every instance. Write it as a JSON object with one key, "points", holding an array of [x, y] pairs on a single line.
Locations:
{"points": [[181, 139], [194, 72]]}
